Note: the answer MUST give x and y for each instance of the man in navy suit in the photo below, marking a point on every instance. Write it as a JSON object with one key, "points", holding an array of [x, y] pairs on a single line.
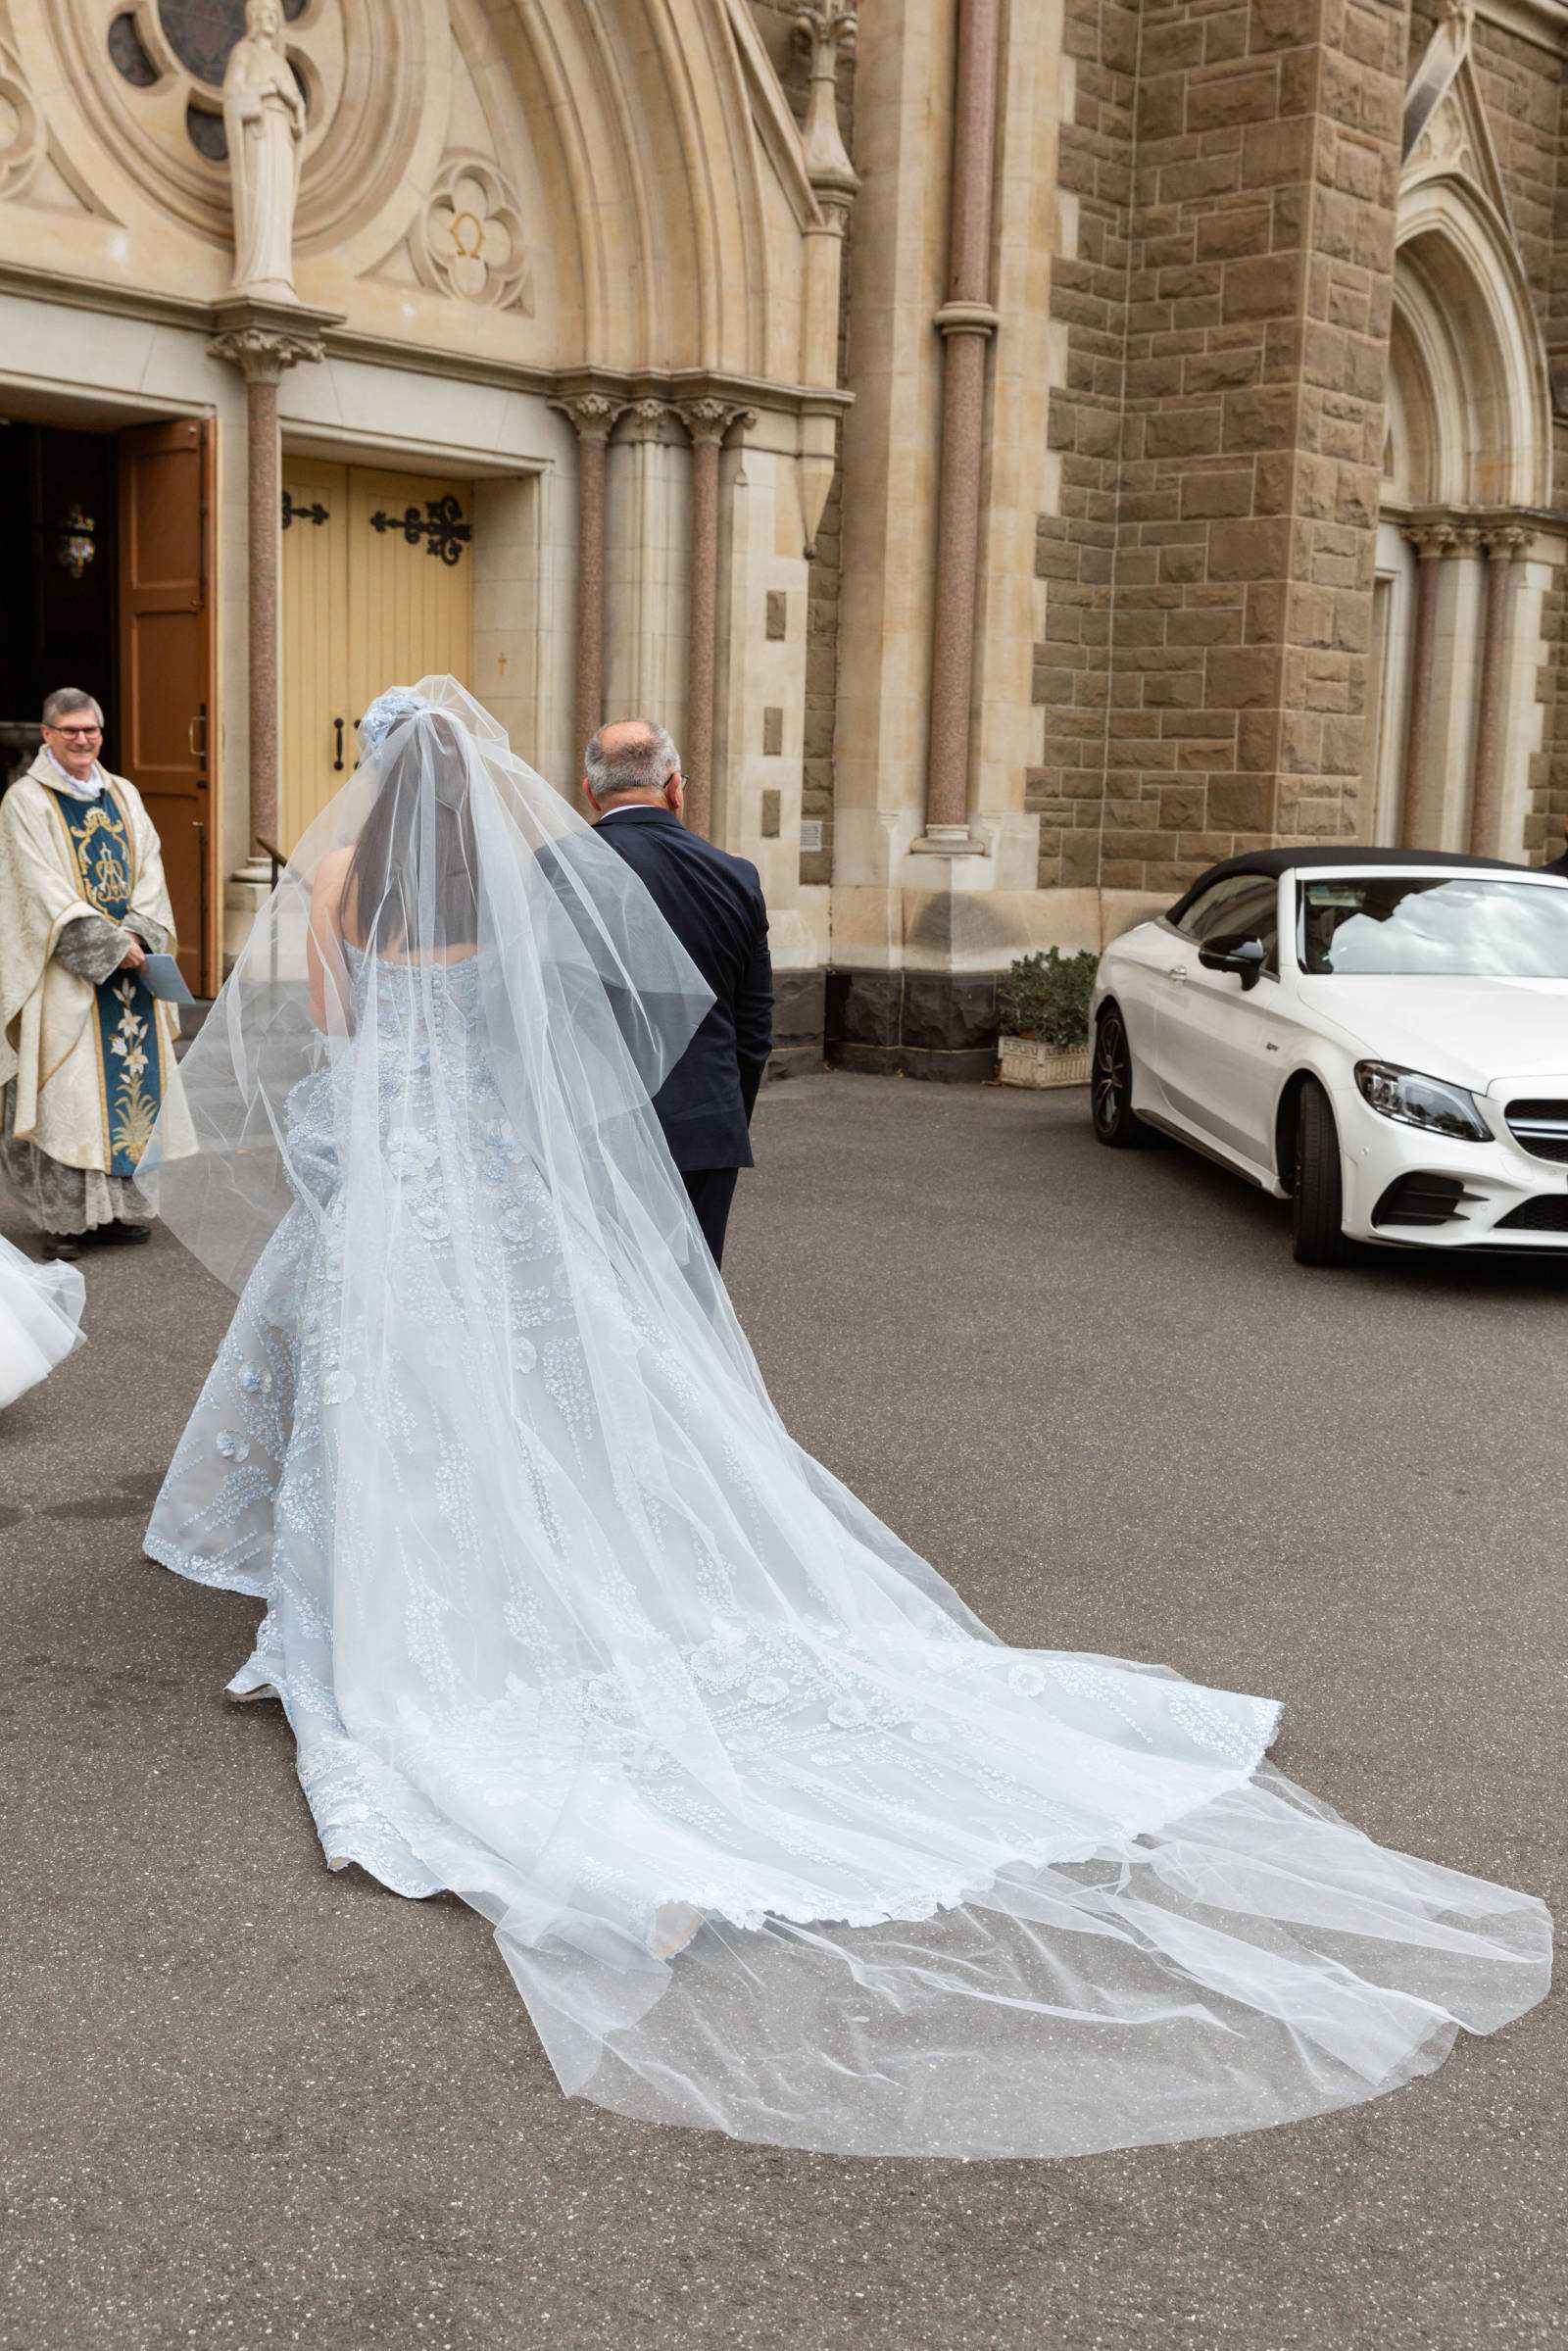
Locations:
{"points": [[713, 903]]}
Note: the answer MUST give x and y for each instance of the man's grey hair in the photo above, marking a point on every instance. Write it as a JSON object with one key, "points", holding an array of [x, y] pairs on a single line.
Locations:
{"points": [[644, 762], [66, 698]]}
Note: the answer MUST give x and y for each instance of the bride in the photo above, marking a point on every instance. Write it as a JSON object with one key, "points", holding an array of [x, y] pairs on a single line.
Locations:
{"points": [[774, 1834]]}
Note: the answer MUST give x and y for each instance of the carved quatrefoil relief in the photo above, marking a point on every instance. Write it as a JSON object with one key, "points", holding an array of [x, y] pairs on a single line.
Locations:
{"points": [[468, 238]]}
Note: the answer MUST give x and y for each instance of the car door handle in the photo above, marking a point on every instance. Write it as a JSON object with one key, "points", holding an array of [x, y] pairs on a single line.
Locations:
{"points": [[1176, 971]]}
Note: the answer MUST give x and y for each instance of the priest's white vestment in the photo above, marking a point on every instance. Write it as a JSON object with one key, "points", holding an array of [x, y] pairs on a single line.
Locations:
{"points": [[86, 1056]]}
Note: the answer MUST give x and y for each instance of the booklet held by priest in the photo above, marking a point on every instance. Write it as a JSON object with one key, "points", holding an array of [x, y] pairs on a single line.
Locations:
{"points": [[160, 976]]}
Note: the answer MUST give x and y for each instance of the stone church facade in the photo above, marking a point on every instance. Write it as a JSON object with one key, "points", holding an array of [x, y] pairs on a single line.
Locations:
{"points": [[1023, 449]]}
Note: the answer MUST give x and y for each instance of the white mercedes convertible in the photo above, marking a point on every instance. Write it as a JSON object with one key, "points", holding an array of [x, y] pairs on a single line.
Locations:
{"points": [[1379, 1035]]}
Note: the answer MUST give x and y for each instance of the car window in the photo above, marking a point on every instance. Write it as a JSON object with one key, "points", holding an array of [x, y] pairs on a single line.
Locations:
{"points": [[1245, 905], [1467, 927], [1210, 907]]}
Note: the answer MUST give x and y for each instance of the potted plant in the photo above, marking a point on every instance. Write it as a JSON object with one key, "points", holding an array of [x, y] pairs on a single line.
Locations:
{"points": [[1043, 1011]]}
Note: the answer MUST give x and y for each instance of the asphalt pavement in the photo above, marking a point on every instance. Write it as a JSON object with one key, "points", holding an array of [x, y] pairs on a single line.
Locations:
{"points": [[243, 2102]]}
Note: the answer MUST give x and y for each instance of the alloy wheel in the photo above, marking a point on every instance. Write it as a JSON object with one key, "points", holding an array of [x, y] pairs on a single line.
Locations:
{"points": [[1113, 1079]]}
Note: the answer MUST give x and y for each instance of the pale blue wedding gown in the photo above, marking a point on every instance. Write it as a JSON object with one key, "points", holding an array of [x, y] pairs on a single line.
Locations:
{"points": [[775, 1836]]}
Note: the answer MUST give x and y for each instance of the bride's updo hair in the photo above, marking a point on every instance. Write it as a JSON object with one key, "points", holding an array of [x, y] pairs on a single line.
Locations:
{"points": [[413, 881]]}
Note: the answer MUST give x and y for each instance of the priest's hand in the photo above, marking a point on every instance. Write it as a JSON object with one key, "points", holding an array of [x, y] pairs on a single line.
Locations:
{"points": [[135, 957]]}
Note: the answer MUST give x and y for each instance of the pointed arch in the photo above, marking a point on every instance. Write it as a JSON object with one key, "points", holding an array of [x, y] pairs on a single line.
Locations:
{"points": [[1466, 355], [1456, 620], [679, 238]]}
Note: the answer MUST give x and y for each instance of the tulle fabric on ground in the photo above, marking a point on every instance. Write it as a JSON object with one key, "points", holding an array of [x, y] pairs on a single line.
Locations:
{"points": [[40, 1319], [776, 1836]]}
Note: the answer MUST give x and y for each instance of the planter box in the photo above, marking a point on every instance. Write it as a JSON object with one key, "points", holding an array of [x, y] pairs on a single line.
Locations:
{"points": [[1021, 1062]]}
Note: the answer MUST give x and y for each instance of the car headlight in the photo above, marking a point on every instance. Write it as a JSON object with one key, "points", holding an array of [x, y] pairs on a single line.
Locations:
{"points": [[1418, 1102]]}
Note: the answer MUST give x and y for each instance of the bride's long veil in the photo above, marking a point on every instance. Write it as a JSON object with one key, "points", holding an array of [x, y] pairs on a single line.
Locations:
{"points": [[456, 851], [774, 1834]]}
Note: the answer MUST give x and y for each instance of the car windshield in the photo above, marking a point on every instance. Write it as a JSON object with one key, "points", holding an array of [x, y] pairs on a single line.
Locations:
{"points": [[1466, 927]]}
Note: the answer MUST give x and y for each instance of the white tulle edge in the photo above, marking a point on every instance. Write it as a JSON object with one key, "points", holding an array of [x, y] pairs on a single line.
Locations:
{"points": [[1254, 2023], [1183, 2001], [41, 1307], [622, 2091]]}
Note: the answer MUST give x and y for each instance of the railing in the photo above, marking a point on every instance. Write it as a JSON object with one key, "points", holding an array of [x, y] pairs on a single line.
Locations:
{"points": [[278, 860]]}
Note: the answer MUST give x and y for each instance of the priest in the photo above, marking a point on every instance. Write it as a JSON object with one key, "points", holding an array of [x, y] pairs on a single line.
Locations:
{"points": [[86, 1052]]}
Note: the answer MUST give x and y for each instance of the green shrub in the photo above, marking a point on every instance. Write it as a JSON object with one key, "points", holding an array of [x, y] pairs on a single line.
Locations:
{"points": [[1047, 997]]}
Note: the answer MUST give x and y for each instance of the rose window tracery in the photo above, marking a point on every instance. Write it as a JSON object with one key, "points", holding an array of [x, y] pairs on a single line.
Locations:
{"points": [[175, 51], [146, 79], [202, 32], [22, 136]]}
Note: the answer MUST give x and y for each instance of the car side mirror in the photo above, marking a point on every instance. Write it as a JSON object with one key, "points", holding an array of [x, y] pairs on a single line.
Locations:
{"points": [[1245, 959]]}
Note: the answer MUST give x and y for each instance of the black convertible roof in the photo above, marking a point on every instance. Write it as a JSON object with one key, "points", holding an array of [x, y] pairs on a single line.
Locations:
{"points": [[1352, 858]]}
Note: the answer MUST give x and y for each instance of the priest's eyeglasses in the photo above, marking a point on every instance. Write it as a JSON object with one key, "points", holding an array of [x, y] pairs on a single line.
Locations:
{"points": [[80, 734]]}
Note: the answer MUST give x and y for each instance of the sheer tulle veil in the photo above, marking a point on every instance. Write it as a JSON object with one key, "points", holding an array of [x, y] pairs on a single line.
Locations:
{"points": [[776, 1836], [586, 998]]}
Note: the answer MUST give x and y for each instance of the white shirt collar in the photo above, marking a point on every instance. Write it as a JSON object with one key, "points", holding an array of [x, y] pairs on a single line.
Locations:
{"points": [[86, 787]]}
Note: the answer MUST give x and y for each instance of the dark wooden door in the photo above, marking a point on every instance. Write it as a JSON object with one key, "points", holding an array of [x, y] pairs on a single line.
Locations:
{"points": [[166, 662]]}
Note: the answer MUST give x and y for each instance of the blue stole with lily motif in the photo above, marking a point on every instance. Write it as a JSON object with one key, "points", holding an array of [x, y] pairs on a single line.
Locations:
{"points": [[131, 1053]]}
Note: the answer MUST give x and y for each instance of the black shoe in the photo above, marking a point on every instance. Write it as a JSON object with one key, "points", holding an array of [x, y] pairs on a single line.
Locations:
{"points": [[123, 1236], [61, 1249]]}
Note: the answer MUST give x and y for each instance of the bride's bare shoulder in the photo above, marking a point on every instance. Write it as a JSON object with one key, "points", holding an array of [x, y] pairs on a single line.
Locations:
{"points": [[327, 889]]}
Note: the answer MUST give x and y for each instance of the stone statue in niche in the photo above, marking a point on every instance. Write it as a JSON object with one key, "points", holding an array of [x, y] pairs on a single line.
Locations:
{"points": [[263, 116]]}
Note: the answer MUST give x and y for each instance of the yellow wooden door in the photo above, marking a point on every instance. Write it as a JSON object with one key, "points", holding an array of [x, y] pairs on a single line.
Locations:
{"points": [[378, 591], [411, 580], [317, 753]]}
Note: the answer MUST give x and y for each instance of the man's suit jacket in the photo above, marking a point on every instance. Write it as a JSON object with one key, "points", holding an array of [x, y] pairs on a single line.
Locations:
{"points": [[713, 903]]}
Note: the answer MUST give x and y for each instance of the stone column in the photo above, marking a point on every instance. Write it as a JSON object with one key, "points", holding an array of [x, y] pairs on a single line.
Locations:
{"points": [[1423, 762], [592, 416], [644, 573], [966, 322], [1504, 547], [256, 340], [708, 421]]}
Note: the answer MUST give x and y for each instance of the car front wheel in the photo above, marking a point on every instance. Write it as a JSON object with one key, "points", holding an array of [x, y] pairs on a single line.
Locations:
{"points": [[1318, 1207], [1110, 1086]]}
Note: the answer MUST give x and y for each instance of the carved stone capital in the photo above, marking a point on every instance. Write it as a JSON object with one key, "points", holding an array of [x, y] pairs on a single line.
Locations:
{"points": [[826, 30], [262, 354], [645, 420], [1433, 539], [592, 414], [710, 420], [1506, 541]]}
